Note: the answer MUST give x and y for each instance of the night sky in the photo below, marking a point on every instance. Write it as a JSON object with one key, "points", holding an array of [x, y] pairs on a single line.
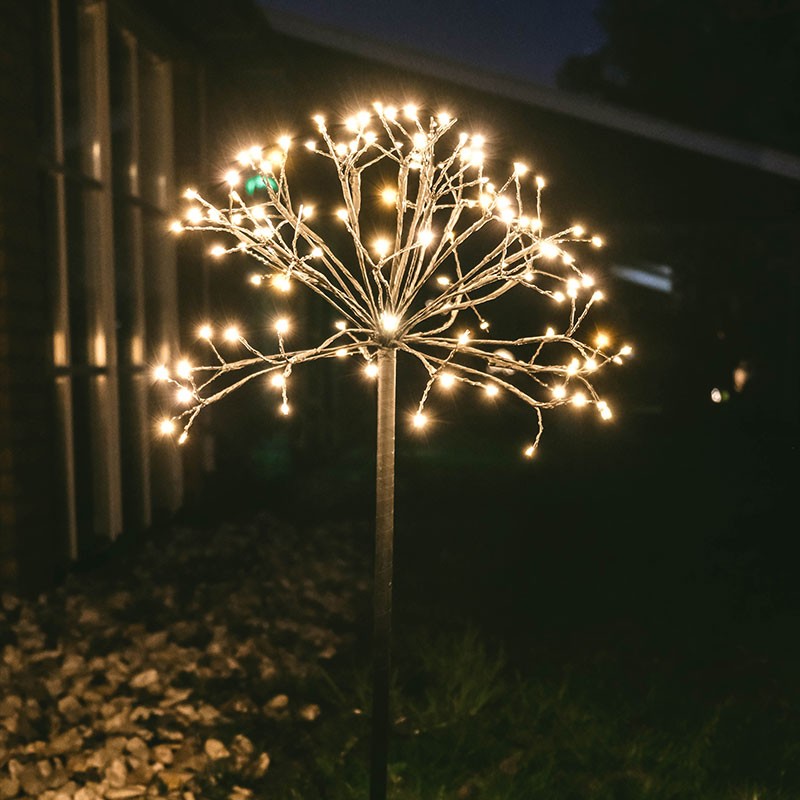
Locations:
{"points": [[527, 40]]}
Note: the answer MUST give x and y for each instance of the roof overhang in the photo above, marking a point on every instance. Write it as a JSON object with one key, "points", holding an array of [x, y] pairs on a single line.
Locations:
{"points": [[555, 100]]}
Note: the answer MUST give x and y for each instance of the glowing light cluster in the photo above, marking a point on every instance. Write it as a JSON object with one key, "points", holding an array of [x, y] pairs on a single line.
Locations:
{"points": [[444, 241]]}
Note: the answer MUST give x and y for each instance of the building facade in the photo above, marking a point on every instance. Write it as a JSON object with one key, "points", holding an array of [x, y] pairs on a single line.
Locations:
{"points": [[104, 111]]}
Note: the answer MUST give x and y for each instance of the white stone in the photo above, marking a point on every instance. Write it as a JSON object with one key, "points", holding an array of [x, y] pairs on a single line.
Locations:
{"points": [[163, 754], [116, 773], [215, 749], [125, 792], [144, 679]]}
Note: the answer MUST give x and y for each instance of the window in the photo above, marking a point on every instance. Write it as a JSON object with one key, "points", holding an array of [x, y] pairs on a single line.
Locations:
{"points": [[115, 301]]}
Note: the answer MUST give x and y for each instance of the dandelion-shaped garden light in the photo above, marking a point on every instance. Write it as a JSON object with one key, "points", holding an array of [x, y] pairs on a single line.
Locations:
{"points": [[454, 242]]}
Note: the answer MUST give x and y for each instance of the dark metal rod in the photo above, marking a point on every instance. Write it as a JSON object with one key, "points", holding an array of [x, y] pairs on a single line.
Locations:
{"points": [[382, 586]]}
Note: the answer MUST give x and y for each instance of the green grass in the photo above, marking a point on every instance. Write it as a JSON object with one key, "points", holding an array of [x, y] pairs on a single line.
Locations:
{"points": [[467, 725]]}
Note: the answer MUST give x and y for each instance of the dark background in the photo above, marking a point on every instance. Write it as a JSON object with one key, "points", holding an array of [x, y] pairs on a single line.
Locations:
{"points": [[664, 542]]}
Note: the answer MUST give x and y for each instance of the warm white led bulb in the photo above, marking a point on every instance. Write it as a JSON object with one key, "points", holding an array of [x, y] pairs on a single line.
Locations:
{"points": [[282, 282], [231, 334], [205, 332], [282, 325], [160, 373], [166, 426], [381, 247], [390, 322], [447, 379], [549, 250], [183, 369], [420, 420]]}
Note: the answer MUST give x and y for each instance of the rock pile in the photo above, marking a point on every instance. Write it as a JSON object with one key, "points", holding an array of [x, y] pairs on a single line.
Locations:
{"points": [[178, 674]]}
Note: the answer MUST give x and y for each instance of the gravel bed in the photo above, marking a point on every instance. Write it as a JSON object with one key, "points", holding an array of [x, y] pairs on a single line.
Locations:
{"points": [[185, 670]]}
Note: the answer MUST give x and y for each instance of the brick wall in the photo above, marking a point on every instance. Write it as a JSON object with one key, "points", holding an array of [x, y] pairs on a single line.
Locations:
{"points": [[27, 533]]}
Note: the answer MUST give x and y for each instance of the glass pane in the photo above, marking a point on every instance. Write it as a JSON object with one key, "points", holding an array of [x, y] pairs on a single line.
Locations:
{"points": [[156, 164], [123, 87], [76, 270], [74, 132]]}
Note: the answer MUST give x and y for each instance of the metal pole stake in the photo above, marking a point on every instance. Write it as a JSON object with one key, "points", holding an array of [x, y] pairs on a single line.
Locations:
{"points": [[382, 587]]}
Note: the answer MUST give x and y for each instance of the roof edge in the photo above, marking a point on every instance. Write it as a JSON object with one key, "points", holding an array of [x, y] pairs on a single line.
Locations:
{"points": [[577, 106]]}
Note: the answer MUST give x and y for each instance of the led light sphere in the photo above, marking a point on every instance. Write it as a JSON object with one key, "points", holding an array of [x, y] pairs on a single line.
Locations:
{"points": [[415, 198]]}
